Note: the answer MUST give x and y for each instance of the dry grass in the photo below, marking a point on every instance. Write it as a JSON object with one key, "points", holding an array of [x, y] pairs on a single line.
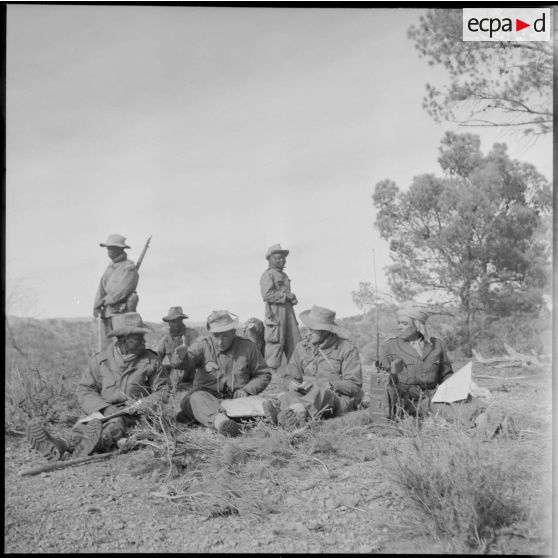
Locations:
{"points": [[33, 393], [470, 489], [212, 475]]}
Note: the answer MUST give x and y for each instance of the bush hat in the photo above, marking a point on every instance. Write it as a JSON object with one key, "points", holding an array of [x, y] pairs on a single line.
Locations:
{"points": [[221, 320], [322, 319], [275, 249], [127, 324], [175, 313], [115, 240]]}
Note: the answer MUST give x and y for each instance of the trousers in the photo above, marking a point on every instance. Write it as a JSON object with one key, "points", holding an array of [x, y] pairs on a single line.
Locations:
{"points": [[319, 402], [201, 406]]}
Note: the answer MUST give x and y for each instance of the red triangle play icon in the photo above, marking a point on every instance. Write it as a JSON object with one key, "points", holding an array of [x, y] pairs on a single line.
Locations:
{"points": [[519, 25]]}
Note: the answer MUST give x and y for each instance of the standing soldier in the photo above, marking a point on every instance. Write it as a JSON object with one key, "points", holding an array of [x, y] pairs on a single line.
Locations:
{"points": [[178, 335], [281, 327], [117, 290]]}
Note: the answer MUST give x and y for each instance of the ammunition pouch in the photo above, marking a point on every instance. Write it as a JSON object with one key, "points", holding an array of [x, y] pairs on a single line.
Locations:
{"points": [[272, 332]]}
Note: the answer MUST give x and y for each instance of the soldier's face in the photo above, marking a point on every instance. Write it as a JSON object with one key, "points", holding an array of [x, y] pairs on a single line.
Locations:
{"points": [[114, 251], [133, 344], [406, 327], [317, 336], [223, 340], [175, 326], [278, 260]]}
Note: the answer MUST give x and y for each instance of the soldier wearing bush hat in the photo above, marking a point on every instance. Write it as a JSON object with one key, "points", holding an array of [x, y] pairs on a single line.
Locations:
{"points": [[281, 328], [178, 335], [227, 367], [117, 289], [123, 379], [325, 369]]}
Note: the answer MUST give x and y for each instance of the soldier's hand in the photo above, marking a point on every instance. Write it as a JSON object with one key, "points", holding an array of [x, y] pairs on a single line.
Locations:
{"points": [[240, 393], [211, 367], [181, 352]]}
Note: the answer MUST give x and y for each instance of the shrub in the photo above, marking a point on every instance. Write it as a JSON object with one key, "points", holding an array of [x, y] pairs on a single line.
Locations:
{"points": [[468, 490]]}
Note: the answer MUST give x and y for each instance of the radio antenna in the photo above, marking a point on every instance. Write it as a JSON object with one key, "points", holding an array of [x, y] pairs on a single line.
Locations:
{"points": [[377, 312]]}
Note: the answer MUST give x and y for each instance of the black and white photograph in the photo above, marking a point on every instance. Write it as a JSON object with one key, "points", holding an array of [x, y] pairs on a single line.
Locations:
{"points": [[278, 278]]}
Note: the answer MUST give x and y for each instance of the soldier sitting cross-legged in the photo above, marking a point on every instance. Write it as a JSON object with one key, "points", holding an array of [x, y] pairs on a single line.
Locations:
{"points": [[125, 378]]}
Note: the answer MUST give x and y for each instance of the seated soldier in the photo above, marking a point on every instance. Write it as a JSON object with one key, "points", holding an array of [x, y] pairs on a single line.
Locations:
{"points": [[227, 366], [326, 372], [417, 362], [124, 378], [177, 335]]}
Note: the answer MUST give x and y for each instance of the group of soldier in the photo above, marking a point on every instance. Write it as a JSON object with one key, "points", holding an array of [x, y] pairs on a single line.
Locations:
{"points": [[323, 369]]}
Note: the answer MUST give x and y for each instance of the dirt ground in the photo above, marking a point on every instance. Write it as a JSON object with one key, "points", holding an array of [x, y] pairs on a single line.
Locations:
{"points": [[334, 502]]}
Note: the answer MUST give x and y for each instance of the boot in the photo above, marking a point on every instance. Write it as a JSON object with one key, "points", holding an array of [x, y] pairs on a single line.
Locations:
{"points": [[226, 426], [292, 417], [111, 433], [271, 410], [49, 446]]}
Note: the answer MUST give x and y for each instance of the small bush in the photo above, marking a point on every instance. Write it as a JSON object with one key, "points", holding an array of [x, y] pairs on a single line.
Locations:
{"points": [[32, 393], [467, 489]]}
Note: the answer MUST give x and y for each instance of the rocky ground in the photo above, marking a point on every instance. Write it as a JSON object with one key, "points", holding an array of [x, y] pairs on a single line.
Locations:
{"points": [[319, 497]]}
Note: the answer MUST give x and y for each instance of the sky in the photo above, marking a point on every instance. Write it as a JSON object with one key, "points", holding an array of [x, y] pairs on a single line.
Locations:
{"points": [[218, 131]]}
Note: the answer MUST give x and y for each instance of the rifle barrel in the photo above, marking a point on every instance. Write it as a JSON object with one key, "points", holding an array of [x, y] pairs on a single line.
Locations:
{"points": [[140, 259]]}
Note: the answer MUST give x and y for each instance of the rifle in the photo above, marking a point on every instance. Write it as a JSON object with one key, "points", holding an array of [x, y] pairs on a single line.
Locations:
{"points": [[129, 409], [132, 299], [140, 259], [68, 463]]}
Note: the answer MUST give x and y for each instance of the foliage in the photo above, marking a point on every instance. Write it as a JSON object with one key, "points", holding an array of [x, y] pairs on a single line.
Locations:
{"points": [[42, 367], [468, 492], [477, 234], [491, 83]]}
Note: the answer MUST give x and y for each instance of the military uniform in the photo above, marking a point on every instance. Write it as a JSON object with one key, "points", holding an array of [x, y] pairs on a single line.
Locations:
{"points": [[281, 328], [111, 379], [417, 376], [117, 291], [241, 366], [335, 371], [181, 372]]}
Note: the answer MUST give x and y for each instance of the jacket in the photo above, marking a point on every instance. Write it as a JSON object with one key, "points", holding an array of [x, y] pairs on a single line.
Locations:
{"points": [[336, 361], [118, 282], [274, 287], [427, 371], [168, 343], [241, 366], [109, 379]]}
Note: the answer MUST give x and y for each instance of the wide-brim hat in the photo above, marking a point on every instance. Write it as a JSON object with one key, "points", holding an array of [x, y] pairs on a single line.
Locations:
{"points": [[221, 320], [116, 240], [175, 313], [127, 324], [275, 249], [322, 319]]}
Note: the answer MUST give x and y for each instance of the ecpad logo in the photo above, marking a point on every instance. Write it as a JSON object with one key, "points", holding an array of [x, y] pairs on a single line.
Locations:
{"points": [[506, 24]]}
